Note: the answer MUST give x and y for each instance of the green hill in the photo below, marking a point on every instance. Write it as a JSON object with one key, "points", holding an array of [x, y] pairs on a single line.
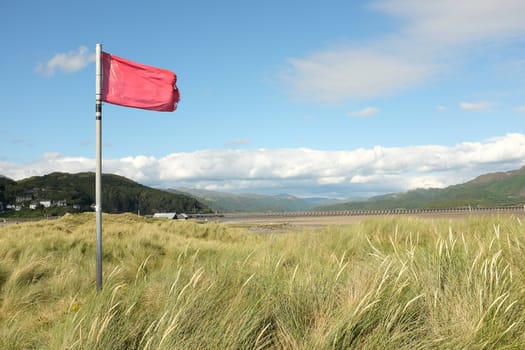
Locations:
{"points": [[76, 192], [489, 190]]}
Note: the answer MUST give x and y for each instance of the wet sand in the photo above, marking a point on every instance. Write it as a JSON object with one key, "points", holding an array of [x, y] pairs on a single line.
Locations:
{"points": [[277, 221]]}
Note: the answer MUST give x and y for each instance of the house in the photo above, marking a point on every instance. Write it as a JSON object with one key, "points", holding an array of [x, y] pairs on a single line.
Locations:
{"points": [[46, 203], [182, 217], [16, 207], [24, 198], [171, 216], [61, 203]]}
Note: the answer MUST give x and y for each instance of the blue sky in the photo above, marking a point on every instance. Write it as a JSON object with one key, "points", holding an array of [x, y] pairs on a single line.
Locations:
{"points": [[334, 98]]}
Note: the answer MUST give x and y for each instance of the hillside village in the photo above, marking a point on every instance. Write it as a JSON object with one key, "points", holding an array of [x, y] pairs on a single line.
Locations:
{"points": [[32, 200], [28, 201]]}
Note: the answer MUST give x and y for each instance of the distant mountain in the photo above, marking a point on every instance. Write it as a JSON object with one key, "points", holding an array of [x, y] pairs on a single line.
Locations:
{"points": [[75, 192], [320, 201], [489, 190], [250, 202], [57, 193]]}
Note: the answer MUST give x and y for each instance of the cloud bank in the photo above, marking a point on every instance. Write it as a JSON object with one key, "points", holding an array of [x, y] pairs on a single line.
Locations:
{"points": [[302, 171], [69, 62], [432, 37]]}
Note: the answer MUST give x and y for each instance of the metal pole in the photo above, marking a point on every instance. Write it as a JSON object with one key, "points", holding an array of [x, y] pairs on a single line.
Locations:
{"points": [[98, 175]]}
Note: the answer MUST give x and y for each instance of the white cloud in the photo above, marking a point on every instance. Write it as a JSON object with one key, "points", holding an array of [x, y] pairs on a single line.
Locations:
{"points": [[451, 22], [520, 109], [333, 76], [66, 62], [331, 180], [432, 36], [475, 106], [302, 171], [366, 112]]}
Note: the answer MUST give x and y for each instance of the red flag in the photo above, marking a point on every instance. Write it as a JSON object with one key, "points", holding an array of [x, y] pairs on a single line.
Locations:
{"points": [[132, 84]]}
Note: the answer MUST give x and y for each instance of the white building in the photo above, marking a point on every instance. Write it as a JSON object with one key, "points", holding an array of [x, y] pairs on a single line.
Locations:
{"points": [[46, 204], [171, 216]]}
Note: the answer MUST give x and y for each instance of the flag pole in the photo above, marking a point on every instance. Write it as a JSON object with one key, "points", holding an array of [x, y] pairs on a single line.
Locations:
{"points": [[98, 166]]}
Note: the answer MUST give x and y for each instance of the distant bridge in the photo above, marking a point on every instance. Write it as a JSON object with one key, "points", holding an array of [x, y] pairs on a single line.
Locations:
{"points": [[398, 211]]}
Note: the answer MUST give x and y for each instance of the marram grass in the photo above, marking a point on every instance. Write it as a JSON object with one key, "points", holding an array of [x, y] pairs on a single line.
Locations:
{"points": [[384, 283]]}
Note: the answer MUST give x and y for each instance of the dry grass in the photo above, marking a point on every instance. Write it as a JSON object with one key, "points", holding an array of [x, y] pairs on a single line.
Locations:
{"points": [[405, 283]]}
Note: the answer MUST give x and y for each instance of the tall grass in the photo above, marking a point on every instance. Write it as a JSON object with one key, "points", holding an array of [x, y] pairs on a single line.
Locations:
{"points": [[399, 283]]}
